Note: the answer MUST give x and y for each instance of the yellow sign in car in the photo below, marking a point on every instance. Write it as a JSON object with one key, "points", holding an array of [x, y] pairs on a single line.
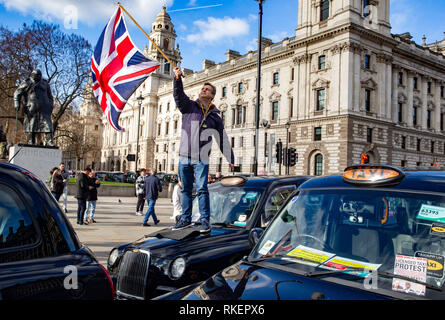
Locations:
{"points": [[370, 174]]}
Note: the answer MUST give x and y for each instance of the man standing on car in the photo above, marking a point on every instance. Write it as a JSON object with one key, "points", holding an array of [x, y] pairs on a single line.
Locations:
{"points": [[152, 187], [200, 121]]}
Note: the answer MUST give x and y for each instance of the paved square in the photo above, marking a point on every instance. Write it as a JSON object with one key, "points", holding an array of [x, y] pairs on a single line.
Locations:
{"points": [[117, 223]]}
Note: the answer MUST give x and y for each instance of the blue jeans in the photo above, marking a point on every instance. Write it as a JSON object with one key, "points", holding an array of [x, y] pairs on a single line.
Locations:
{"points": [[187, 170], [150, 211], [91, 204]]}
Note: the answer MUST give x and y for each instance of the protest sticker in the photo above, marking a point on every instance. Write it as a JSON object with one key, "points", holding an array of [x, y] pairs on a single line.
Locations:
{"points": [[411, 267], [266, 248], [435, 263], [432, 213]]}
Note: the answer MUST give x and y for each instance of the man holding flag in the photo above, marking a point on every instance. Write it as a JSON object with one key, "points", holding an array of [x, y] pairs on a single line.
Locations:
{"points": [[200, 121]]}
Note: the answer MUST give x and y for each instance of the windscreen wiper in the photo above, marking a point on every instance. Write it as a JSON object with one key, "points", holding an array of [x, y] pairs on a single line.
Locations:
{"points": [[379, 273]]}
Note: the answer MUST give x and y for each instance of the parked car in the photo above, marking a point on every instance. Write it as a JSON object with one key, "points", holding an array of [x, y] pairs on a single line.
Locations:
{"points": [[375, 232], [40, 254], [169, 259]]}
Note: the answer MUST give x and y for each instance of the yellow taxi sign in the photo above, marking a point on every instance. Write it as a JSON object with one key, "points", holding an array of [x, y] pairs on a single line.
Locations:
{"points": [[233, 181], [372, 174]]}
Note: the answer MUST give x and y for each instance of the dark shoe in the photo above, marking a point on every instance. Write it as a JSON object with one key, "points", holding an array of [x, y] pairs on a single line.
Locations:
{"points": [[157, 222], [146, 225], [205, 226], [92, 220], [66, 211], [85, 222], [182, 225]]}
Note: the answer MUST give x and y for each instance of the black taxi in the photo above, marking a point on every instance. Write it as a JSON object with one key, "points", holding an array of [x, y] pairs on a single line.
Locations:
{"points": [[41, 257], [169, 259], [375, 232]]}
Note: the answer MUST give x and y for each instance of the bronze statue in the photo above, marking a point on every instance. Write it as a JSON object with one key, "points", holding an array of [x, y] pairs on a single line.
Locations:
{"points": [[37, 107]]}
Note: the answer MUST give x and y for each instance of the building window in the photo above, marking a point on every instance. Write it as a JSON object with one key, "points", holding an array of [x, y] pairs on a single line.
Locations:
{"points": [[441, 122], [239, 114], [368, 100], [400, 112], [159, 129], [167, 127], [168, 106], [233, 142], [428, 119], [317, 134], [415, 83], [369, 135], [415, 116], [223, 117], [403, 163], [429, 85], [321, 62], [432, 146], [318, 168], [367, 61], [418, 144], [292, 71], [167, 68], [366, 8], [157, 148], [224, 92], [275, 110], [400, 78], [160, 108], [240, 87], [275, 78], [291, 107], [175, 126], [233, 116], [403, 142], [324, 10], [321, 99], [442, 91], [241, 141]]}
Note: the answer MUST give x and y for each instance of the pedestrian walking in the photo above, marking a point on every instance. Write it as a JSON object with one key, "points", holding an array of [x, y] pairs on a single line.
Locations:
{"points": [[66, 177], [92, 198], [82, 189], [152, 187], [56, 183], [177, 202], [200, 122], [140, 192]]}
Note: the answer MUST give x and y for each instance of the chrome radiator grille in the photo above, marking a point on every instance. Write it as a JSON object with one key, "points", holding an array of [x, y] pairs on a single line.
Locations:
{"points": [[133, 274]]}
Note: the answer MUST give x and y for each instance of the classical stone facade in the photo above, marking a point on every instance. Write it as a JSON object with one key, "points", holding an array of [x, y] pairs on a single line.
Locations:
{"points": [[342, 86]]}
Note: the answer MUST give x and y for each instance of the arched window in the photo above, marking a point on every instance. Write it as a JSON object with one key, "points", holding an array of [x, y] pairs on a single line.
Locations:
{"points": [[318, 164]]}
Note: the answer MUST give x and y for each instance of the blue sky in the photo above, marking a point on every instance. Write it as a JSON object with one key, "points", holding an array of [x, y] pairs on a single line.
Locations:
{"points": [[208, 33]]}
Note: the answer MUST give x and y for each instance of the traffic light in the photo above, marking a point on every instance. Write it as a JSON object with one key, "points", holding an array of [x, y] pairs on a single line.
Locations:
{"points": [[292, 156], [285, 156], [279, 152]]}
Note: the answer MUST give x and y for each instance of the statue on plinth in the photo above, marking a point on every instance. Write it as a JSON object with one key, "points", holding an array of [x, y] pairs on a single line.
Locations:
{"points": [[3, 144], [37, 107]]}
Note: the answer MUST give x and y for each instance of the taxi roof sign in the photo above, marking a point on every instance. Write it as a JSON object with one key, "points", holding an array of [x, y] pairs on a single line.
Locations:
{"points": [[372, 174], [233, 181]]}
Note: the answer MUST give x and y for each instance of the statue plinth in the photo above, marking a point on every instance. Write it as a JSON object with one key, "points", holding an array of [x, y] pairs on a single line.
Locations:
{"points": [[37, 159]]}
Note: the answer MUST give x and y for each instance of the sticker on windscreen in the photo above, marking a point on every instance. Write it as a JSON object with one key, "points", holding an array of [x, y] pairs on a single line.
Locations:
{"points": [[432, 213], [251, 195], [435, 263], [411, 267], [438, 229], [266, 248]]}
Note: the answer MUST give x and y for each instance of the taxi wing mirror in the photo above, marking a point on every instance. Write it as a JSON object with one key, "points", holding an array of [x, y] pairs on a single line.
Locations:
{"points": [[254, 236]]}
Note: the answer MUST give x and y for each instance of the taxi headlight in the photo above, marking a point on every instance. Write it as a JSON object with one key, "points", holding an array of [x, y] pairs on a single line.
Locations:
{"points": [[177, 268], [114, 254]]}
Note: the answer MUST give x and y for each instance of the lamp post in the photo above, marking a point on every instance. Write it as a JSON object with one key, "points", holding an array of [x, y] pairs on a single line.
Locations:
{"points": [[287, 125], [140, 99], [257, 116]]}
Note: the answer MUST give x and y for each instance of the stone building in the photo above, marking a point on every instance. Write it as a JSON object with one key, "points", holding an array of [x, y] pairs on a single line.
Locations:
{"points": [[342, 86]]}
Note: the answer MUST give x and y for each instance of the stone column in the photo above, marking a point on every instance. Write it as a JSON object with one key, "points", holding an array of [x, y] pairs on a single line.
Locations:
{"points": [[395, 93], [346, 77], [437, 111], [410, 94], [334, 91], [424, 102]]}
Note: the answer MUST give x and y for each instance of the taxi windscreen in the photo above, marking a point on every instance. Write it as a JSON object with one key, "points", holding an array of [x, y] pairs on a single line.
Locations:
{"points": [[229, 205], [357, 232]]}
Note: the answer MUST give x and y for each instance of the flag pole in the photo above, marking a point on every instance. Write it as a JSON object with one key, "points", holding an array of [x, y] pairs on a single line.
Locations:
{"points": [[154, 44]]}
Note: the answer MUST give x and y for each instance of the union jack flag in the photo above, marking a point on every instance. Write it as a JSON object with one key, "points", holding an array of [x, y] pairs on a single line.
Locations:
{"points": [[118, 68]]}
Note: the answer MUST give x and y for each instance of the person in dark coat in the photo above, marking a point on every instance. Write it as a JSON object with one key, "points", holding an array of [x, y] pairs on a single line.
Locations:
{"points": [[152, 187], [92, 198], [82, 190], [57, 184]]}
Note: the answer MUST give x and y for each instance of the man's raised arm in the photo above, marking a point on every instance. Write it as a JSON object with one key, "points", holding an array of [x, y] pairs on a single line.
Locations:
{"points": [[183, 102]]}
